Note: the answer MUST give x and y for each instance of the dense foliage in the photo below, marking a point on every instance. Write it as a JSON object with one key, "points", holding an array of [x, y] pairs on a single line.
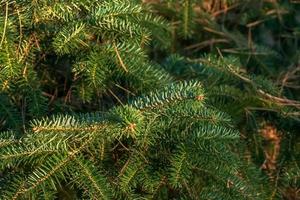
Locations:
{"points": [[128, 99]]}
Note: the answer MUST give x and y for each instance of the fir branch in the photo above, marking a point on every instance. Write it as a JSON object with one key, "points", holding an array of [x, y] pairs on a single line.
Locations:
{"points": [[95, 183], [174, 92]]}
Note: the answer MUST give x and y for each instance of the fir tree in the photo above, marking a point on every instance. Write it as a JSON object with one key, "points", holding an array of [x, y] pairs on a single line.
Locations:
{"points": [[135, 100], [168, 140]]}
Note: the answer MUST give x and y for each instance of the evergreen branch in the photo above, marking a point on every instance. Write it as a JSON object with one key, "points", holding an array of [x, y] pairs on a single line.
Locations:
{"points": [[13, 155], [7, 138], [5, 23], [230, 68], [171, 93], [213, 132], [173, 142], [129, 172], [95, 183], [179, 168], [117, 9], [49, 169], [30, 151], [196, 111], [70, 39], [66, 123]]}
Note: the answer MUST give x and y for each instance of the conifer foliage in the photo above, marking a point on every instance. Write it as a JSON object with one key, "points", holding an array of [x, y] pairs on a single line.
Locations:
{"points": [[91, 46], [155, 143], [104, 100]]}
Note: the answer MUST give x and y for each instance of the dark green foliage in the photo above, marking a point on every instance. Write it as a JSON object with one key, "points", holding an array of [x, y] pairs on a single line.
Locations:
{"points": [[246, 55], [128, 99], [94, 48], [85, 151]]}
